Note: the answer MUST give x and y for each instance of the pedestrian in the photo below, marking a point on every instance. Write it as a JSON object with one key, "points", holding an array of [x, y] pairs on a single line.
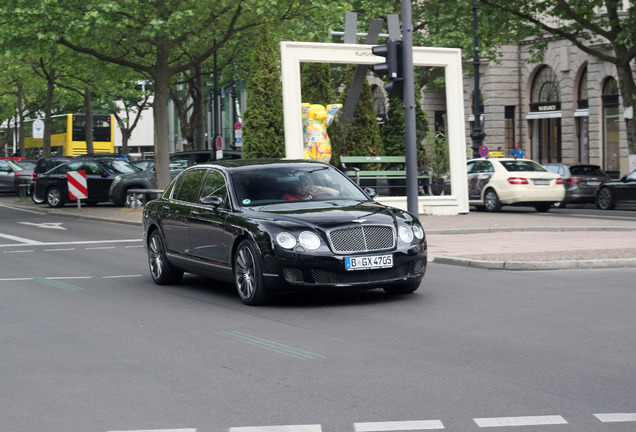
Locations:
{"points": [[517, 152]]}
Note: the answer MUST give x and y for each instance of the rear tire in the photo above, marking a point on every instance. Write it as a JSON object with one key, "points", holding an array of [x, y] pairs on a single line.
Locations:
{"points": [[491, 201], [36, 199], [54, 197], [605, 199], [161, 270], [543, 208]]}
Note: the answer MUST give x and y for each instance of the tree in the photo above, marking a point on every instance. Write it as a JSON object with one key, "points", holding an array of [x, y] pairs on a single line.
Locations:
{"points": [[600, 28], [393, 131], [263, 131], [361, 137]]}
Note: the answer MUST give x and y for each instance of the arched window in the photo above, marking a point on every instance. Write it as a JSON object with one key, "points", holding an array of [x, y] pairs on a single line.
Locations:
{"points": [[611, 127], [545, 116]]}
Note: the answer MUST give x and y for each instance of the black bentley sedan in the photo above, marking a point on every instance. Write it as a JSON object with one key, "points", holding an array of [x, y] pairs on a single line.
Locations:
{"points": [[617, 193], [280, 225]]}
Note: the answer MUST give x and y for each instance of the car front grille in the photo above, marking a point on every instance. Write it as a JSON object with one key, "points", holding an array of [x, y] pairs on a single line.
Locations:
{"points": [[322, 276], [362, 239]]}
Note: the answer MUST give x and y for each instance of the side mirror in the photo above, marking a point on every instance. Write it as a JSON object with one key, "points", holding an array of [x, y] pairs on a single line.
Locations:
{"points": [[213, 201], [371, 193]]}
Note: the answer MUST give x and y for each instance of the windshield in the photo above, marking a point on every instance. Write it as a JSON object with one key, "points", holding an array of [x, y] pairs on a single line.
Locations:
{"points": [[118, 166], [264, 185], [522, 165]]}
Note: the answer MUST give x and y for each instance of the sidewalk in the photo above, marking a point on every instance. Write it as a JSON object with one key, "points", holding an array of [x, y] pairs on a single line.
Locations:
{"points": [[514, 239]]}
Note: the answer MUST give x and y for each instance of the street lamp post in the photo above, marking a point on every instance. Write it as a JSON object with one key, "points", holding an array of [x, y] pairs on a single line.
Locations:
{"points": [[477, 135]]}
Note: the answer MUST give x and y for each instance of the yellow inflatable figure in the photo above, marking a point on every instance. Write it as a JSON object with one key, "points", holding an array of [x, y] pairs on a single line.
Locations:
{"points": [[316, 142]]}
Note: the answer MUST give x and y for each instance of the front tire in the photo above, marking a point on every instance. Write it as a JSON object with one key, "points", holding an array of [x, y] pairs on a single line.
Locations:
{"points": [[491, 201], [248, 275], [161, 270], [36, 199], [543, 208], [54, 197], [605, 199]]}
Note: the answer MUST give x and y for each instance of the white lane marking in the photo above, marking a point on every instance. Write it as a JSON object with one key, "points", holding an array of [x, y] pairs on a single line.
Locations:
{"points": [[100, 248], [160, 430], [59, 250], [616, 417], [287, 428], [34, 243], [46, 225], [136, 246], [20, 240], [398, 426], [20, 251], [67, 277], [520, 421], [15, 279]]}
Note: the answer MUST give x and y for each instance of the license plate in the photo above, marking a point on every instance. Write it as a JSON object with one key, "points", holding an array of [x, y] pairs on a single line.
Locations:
{"points": [[542, 182], [593, 183], [368, 262]]}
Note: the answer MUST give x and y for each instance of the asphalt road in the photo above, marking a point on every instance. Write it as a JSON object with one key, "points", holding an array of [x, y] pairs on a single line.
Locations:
{"points": [[89, 343]]}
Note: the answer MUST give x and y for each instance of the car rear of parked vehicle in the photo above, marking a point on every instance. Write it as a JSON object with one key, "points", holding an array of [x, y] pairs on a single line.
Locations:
{"points": [[580, 180]]}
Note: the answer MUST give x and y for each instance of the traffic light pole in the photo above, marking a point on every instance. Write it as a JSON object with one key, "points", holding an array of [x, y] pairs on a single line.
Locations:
{"points": [[410, 143]]}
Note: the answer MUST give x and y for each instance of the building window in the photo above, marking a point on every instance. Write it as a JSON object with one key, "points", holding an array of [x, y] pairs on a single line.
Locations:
{"points": [[611, 128], [582, 119], [545, 117], [510, 129]]}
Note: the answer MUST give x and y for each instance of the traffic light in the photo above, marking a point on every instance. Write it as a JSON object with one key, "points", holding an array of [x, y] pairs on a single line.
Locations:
{"points": [[392, 68]]}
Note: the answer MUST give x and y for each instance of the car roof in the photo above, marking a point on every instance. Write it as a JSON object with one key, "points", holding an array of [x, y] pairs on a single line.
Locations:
{"points": [[240, 164]]}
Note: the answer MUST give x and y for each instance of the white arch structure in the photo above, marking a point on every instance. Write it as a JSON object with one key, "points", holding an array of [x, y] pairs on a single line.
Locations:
{"points": [[295, 53]]}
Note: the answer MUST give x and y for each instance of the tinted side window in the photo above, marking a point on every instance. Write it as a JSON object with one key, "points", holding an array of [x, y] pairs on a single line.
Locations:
{"points": [[483, 166], [189, 186], [215, 186]]}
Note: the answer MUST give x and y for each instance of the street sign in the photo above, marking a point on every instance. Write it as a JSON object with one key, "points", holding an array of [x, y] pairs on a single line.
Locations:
{"points": [[219, 143], [483, 150], [38, 129], [77, 187], [238, 125]]}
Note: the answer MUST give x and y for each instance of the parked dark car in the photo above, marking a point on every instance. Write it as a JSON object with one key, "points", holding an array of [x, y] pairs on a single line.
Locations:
{"points": [[230, 220], [100, 173], [143, 179], [94, 155], [617, 193], [8, 170], [580, 180], [184, 159], [22, 182], [41, 166]]}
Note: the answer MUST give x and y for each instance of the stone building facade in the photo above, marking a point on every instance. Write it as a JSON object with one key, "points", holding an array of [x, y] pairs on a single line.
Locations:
{"points": [[566, 108]]}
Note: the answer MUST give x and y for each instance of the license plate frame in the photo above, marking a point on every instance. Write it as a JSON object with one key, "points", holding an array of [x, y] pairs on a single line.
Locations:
{"points": [[368, 262], [592, 182], [542, 182]]}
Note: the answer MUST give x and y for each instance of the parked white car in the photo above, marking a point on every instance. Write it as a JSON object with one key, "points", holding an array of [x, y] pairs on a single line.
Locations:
{"points": [[495, 182]]}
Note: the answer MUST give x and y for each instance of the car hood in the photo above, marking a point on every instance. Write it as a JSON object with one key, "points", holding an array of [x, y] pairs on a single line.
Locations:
{"points": [[326, 214]]}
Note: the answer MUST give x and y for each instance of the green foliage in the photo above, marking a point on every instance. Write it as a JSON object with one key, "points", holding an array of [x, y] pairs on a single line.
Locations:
{"points": [[437, 145], [362, 136], [316, 83], [394, 128], [263, 131]]}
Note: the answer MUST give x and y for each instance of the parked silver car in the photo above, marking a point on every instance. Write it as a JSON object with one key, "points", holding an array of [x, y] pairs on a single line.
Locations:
{"points": [[580, 180]]}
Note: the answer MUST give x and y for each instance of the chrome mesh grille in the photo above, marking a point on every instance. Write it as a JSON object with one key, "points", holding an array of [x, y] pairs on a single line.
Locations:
{"points": [[362, 239], [322, 276]]}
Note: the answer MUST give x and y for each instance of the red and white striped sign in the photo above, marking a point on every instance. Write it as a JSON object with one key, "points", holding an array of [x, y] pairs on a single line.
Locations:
{"points": [[77, 187]]}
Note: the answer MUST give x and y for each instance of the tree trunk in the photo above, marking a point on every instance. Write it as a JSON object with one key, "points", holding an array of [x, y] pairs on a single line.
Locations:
{"points": [[88, 128], [199, 109], [20, 124], [48, 107], [160, 118]]}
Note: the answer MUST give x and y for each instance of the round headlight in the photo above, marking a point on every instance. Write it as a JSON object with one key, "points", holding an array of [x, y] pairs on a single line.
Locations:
{"points": [[309, 240], [406, 235], [418, 231], [286, 240]]}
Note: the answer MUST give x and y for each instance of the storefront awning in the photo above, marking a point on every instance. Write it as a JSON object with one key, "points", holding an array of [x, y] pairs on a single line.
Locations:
{"points": [[543, 115]]}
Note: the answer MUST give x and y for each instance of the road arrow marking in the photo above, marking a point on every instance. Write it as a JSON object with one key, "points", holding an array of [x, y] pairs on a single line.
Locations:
{"points": [[46, 225]]}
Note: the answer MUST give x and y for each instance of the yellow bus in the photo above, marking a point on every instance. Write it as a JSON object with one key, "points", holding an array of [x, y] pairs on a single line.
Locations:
{"points": [[68, 136]]}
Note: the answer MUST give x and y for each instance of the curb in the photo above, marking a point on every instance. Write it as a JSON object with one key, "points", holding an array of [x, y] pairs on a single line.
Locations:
{"points": [[538, 265]]}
